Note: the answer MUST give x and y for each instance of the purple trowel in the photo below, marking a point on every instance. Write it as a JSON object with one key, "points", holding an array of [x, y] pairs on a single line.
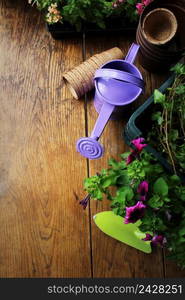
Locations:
{"points": [[117, 83]]}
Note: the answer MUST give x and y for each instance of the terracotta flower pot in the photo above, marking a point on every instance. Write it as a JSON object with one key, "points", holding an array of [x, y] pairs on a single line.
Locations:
{"points": [[160, 56]]}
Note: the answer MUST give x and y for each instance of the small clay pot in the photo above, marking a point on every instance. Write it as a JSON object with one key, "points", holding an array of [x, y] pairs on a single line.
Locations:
{"points": [[155, 56]]}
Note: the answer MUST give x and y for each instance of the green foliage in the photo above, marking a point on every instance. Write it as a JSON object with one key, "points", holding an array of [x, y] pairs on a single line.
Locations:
{"points": [[157, 116], [127, 9], [93, 11], [159, 97], [136, 171], [88, 10], [166, 197], [160, 187], [43, 4], [124, 197], [168, 130], [179, 69], [156, 201]]}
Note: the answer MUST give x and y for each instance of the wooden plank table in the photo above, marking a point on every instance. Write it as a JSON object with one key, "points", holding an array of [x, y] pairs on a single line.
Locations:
{"points": [[44, 231]]}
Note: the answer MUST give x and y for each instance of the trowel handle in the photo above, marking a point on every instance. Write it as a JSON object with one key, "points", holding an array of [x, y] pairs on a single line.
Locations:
{"points": [[132, 53], [103, 118]]}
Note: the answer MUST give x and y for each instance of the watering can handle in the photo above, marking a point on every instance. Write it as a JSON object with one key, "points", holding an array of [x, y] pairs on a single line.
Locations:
{"points": [[102, 120], [120, 75], [132, 53]]}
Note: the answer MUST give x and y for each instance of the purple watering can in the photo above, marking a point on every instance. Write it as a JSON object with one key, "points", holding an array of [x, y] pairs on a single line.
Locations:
{"points": [[117, 83]]}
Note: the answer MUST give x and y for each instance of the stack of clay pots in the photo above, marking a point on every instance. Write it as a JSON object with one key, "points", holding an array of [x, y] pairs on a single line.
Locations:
{"points": [[79, 80], [161, 34]]}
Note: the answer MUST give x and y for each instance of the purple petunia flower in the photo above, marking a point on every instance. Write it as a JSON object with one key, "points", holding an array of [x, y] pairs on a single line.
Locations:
{"points": [[156, 239], [143, 190], [140, 8], [135, 153], [141, 5], [132, 157], [85, 201], [134, 213], [159, 240], [148, 237], [138, 143], [146, 2]]}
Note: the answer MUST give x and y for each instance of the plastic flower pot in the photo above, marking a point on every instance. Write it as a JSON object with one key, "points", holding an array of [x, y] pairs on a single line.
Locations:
{"points": [[139, 123], [155, 57], [113, 26]]}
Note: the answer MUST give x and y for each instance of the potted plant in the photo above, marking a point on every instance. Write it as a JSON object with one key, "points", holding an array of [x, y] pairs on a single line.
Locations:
{"points": [[145, 191], [164, 113], [65, 17]]}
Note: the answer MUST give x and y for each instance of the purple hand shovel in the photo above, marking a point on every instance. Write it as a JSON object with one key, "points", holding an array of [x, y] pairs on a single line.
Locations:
{"points": [[117, 83]]}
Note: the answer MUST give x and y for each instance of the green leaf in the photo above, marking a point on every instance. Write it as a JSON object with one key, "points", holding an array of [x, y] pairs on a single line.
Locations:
{"points": [[175, 178], [160, 187], [180, 90], [113, 163], [115, 210], [123, 196], [108, 181], [182, 196], [182, 231], [157, 117], [126, 192], [125, 155], [159, 224], [98, 195], [123, 179], [144, 227], [173, 135], [179, 69], [166, 199], [159, 97], [131, 2], [155, 202]]}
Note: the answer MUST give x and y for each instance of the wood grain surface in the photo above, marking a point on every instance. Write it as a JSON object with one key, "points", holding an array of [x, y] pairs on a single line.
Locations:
{"points": [[44, 231]]}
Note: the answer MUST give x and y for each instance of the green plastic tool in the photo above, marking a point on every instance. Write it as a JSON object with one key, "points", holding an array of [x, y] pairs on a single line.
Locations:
{"points": [[129, 234]]}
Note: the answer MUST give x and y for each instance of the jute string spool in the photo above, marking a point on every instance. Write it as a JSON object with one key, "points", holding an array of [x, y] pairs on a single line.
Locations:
{"points": [[79, 80], [159, 26]]}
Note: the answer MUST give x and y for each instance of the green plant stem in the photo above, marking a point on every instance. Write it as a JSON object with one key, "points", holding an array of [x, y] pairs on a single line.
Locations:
{"points": [[182, 125], [167, 142]]}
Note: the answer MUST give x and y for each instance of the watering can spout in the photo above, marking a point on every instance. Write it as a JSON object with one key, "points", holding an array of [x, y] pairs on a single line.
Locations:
{"points": [[132, 53], [102, 120]]}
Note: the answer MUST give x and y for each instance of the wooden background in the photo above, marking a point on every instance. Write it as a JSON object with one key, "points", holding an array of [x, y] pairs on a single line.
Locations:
{"points": [[44, 232]]}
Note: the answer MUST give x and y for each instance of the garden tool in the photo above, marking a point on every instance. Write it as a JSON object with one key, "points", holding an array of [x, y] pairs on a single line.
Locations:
{"points": [[117, 84], [129, 234]]}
